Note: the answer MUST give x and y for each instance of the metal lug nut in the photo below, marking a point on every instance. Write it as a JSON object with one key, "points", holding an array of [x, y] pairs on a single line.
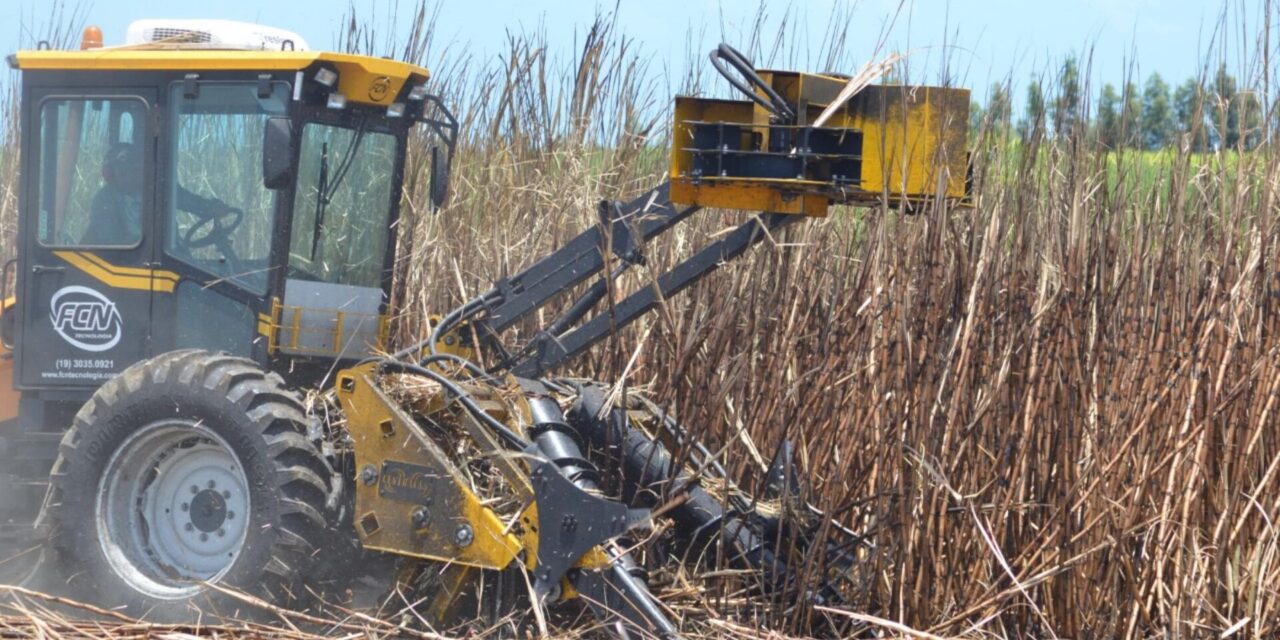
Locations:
{"points": [[212, 484], [222, 532], [204, 537], [194, 489], [464, 536], [186, 506], [189, 527], [231, 515], [226, 494]]}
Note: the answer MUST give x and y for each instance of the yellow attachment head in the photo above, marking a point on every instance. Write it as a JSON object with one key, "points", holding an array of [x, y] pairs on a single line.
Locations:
{"points": [[900, 145]]}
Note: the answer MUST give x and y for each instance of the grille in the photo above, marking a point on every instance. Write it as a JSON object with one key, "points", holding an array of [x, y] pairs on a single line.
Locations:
{"points": [[169, 34]]}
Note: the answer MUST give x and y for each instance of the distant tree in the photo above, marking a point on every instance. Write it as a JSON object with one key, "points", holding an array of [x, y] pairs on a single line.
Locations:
{"points": [[1130, 117], [1236, 115], [1189, 111], [1066, 105], [999, 106], [976, 114], [1226, 109], [1157, 114], [1249, 118], [1108, 119], [1033, 120]]}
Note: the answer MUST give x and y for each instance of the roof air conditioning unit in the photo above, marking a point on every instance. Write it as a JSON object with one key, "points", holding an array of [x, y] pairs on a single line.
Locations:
{"points": [[211, 34]]}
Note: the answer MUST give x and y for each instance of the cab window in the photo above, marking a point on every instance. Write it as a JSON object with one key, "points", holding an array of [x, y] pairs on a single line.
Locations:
{"points": [[219, 216], [92, 180], [342, 209]]}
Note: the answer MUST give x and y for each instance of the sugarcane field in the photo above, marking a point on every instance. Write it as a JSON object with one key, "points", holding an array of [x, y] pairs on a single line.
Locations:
{"points": [[436, 320]]}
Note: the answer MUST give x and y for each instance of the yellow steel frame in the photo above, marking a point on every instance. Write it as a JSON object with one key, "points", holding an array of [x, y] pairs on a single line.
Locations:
{"points": [[401, 471], [362, 79], [271, 324], [383, 432], [913, 146]]}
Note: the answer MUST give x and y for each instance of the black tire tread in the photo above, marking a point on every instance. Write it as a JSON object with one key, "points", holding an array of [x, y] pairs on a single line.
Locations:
{"points": [[302, 476]]}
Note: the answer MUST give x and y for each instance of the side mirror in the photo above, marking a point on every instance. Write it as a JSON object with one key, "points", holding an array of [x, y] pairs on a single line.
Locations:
{"points": [[439, 178], [277, 156]]}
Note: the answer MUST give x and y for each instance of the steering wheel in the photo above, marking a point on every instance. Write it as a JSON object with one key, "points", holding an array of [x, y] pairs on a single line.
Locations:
{"points": [[218, 228], [775, 103]]}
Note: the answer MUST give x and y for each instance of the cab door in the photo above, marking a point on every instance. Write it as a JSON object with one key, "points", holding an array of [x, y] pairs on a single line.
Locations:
{"points": [[218, 228], [87, 283]]}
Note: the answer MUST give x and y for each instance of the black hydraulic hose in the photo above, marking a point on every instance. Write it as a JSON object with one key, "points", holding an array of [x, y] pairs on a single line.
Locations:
{"points": [[776, 104], [514, 439], [470, 366], [448, 322]]}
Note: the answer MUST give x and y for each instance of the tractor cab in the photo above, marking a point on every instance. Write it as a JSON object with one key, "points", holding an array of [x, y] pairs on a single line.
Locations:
{"points": [[208, 185]]}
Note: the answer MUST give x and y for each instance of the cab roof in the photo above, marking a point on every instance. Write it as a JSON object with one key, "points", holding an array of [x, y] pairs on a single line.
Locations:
{"points": [[360, 78]]}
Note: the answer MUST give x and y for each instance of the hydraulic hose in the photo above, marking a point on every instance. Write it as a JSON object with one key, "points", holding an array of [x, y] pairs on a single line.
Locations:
{"points": [[513, 439], [448, 322], [473, 368], [775, 104]]}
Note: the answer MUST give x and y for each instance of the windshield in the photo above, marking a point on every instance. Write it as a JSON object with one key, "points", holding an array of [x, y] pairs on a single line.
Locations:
{"points": [[343, 205]]}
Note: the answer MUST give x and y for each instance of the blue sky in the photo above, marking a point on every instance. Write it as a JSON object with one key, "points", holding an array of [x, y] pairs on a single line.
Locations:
{"points": [[987, 39]]}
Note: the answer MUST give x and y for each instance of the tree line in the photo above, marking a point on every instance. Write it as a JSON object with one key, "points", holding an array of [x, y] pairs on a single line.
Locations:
{"points": [[1201, 114]]}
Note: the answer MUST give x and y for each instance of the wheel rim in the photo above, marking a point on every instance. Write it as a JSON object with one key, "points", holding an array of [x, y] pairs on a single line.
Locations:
{"points": [[172, 509]]}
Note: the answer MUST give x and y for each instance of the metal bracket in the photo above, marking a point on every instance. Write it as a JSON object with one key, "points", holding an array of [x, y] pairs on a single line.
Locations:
{"points": [[446, 126], [190, 90], [264, 85], [572, 522], [410, 498], [618, 226]]}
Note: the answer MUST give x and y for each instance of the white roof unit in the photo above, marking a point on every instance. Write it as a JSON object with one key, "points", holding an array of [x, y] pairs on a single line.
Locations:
{"points": [[211, 34]]}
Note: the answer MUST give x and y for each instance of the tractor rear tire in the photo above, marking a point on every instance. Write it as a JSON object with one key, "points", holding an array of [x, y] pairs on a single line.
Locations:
{"points": [[186, 469]]}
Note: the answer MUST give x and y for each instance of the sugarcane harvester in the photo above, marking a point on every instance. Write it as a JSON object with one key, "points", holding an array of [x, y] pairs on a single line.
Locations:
{"points": [[174, 304]]}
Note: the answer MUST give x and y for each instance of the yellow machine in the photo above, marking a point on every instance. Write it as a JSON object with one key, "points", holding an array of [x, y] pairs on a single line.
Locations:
{"points": [[891, 145], [171, 310]]}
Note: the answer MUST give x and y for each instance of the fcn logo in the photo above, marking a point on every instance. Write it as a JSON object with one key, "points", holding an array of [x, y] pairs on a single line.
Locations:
{"points": [[85, 318]]}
